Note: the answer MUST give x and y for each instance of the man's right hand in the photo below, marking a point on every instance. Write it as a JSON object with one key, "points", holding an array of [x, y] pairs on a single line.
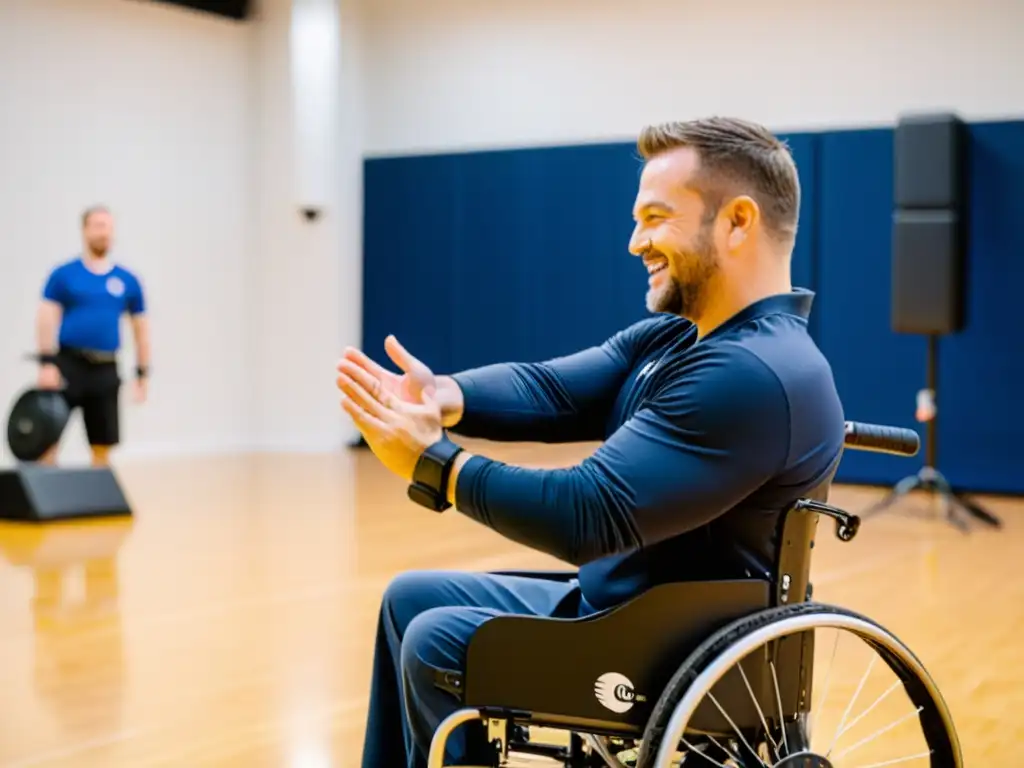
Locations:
{"points": [[49, 376], [415, 379]]}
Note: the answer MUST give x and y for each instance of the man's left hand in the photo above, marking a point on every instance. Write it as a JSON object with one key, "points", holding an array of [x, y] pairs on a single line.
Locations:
{"points": [[396, 430], [141, 390]]}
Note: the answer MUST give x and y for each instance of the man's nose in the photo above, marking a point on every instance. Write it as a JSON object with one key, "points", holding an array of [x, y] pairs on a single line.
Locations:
{"points": [[639, 243]]}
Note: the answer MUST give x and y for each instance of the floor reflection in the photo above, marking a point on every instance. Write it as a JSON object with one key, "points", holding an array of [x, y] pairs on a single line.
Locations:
{"points": [[78, 644]]}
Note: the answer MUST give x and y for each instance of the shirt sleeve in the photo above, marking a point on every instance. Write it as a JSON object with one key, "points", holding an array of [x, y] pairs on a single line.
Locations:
{"points": [[55, 289], [135, 301], [695, 450], [566, 399]]}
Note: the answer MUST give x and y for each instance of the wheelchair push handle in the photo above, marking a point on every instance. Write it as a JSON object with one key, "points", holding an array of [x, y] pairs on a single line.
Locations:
{"points": [[882, 439]]}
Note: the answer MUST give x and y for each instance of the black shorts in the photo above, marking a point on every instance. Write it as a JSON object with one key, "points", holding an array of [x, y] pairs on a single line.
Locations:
{"points": [[94, 387]]}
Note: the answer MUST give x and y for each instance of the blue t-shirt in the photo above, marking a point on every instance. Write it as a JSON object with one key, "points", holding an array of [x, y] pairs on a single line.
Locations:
{"points": [[93, 304], [705, 444]]}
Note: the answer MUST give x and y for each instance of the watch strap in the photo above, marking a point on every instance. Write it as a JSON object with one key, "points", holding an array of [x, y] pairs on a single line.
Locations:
{"points": [[429, 485]]}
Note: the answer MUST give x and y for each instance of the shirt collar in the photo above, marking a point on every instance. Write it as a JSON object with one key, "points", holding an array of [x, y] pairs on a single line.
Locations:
{"points": [[797, 302]]}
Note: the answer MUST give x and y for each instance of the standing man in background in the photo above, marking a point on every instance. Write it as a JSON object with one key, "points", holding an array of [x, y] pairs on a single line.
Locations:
{"points": [[78, 334]]}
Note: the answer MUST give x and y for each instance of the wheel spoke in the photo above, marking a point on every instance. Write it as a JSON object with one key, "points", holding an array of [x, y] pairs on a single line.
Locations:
{"points": [[764, 722], [824, 695], [907, 759], [693, 749], [878, 733], [721, 747], [849, 707], [874, 704], [778, 700], [738, 731]]}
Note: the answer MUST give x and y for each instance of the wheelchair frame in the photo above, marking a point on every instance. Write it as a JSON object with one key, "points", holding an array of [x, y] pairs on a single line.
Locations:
{"points": [[632, 672]]}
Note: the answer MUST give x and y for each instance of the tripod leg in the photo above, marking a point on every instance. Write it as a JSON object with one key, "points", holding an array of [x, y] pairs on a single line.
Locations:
{"points": [[902, 488], [976, 511], [951, 504], [941, 491]]}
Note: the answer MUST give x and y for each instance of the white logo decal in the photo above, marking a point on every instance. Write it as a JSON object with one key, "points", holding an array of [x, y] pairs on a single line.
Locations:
{"points": [[647, 369], [115, 286], [615, 692]]}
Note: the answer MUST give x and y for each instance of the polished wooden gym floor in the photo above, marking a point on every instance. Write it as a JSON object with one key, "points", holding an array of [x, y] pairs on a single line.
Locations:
{"points": [[230, 623]]}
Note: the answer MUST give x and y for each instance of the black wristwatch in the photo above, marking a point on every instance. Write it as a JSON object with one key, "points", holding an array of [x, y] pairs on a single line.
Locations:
{"points": [[430, 478]]}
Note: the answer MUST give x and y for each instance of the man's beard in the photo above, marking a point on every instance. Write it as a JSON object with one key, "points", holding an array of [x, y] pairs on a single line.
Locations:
{"points": [[685, 290], [99, 250]]}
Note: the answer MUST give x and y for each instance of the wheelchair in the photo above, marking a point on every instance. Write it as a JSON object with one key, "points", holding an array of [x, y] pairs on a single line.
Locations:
{"points": [[709, 673]]}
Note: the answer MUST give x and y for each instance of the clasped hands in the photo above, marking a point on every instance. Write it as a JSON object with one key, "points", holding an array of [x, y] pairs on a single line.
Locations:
{"points": [[397, 415]]}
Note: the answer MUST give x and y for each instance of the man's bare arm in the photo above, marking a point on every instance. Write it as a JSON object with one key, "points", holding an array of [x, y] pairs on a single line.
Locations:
{"points": [[48, 318], [140, 330]]}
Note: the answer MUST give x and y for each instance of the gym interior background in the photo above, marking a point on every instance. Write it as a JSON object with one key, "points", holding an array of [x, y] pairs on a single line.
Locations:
{"points": [[474, 169]]}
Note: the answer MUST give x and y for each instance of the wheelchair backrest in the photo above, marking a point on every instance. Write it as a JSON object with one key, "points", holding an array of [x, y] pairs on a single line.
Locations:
{"points": [[794, 542], [777, 548]]}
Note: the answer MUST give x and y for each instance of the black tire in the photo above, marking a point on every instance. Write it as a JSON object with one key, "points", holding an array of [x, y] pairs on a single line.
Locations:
{"points": [[936, 723]]}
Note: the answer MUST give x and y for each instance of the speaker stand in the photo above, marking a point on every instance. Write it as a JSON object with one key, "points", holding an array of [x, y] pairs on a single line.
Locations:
{"points": [[929, 479]]}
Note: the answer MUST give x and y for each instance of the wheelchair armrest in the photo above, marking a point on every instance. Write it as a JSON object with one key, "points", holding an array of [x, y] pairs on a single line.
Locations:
{"points": [[603, 671]]}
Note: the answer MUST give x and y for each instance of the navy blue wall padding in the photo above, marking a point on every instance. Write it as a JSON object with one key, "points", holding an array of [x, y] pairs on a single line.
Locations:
{"points": [[507, 255], [878, 372], [805, 151], [542, 266], [479, 257], [409, 238], [981, 369]]}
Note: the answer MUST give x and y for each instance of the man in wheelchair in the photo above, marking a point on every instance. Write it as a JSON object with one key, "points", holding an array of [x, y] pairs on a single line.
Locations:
{"points": [[716, 415]]}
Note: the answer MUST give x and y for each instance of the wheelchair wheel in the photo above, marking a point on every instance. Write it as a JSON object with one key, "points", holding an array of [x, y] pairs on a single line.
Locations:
{"points": [[776, 653]]}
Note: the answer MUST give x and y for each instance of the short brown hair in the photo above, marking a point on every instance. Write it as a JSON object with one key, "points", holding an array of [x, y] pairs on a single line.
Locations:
{"points": [[736, 157], [91, 210]]}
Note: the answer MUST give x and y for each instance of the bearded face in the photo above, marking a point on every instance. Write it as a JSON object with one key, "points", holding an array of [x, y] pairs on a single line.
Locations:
{"points": [[98, 233], [679, 273]]}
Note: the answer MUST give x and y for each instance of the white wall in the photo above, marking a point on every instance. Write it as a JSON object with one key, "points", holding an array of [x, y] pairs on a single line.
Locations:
{"points": [[146, 109], [449, 74], [181, 122], [307, 278]]}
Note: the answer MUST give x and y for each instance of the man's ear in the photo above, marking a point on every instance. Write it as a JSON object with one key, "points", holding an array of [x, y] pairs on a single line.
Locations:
{"points": [[742, 214]]}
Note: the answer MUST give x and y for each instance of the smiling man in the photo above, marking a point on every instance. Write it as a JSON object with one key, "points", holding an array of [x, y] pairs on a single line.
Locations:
{"points": [[715, 414]]}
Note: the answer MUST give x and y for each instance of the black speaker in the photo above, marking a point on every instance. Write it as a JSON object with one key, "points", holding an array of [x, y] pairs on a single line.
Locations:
{"points": [[929, 259], [927, 272], [930, 220], [930, 161], [38, 493]]}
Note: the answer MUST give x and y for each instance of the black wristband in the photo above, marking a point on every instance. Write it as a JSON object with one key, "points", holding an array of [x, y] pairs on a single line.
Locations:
{"points": [[429, 485], [47, 358], [141, 371]]}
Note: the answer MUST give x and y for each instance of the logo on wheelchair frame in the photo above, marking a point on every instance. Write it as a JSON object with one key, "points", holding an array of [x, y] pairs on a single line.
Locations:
{"points": [[615, 692]]}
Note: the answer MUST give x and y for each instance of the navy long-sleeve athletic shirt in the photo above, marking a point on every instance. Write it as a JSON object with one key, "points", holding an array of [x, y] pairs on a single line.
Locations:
{"points": [[705, 442]]}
